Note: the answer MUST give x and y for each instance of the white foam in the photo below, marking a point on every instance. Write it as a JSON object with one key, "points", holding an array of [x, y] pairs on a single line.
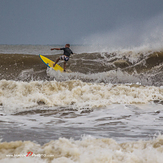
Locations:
{"points": [[86, 150], [15, 95], [112, 76]]}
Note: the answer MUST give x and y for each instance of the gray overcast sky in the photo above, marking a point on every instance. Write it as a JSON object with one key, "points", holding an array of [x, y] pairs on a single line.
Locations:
{"points": [[72, 21]]}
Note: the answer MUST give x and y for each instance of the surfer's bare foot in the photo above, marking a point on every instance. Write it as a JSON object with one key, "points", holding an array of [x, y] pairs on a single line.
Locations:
{"points": [[54, 65], [64, 70]]}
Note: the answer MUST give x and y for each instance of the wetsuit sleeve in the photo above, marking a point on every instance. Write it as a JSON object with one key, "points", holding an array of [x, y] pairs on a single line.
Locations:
{"points": [[62, 48]]}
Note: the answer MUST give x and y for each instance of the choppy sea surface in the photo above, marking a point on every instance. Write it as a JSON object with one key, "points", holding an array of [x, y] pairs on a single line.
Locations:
{"points": [[107, 108]]}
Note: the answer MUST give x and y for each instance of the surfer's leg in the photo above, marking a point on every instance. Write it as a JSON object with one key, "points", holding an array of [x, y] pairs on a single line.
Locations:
{"points": [[56, 62], [64, 65]]}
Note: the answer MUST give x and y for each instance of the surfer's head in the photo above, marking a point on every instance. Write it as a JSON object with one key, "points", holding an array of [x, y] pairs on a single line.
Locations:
{"points": [[67, 45]]}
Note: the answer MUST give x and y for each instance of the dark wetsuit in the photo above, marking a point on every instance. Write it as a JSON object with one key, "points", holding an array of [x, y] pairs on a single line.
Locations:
{"points": [[66, 54]]}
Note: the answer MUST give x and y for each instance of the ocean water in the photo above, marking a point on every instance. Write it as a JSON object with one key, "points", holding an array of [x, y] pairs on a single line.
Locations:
{"points": [[107, 108]]}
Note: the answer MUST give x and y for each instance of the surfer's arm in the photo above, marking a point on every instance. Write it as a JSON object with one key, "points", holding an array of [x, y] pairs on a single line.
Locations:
{"points": [[55, 48]]}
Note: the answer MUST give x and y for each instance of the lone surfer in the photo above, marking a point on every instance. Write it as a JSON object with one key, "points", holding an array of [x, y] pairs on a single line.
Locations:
{"points": [[65, 56]]}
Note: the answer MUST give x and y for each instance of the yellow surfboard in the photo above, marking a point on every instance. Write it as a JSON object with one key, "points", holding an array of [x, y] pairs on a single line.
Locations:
{"points": [[50, 63]]}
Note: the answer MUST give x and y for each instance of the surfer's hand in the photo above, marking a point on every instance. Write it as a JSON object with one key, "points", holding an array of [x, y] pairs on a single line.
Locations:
{"points": [[52, 48]]}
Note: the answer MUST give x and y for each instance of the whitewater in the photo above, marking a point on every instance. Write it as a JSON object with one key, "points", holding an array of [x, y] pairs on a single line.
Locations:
{"points": [[108, 107]]}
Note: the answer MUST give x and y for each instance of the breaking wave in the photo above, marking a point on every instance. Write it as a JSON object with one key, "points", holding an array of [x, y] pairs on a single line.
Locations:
{"points": [[88, 149], [117, 67], [75, 93]]}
